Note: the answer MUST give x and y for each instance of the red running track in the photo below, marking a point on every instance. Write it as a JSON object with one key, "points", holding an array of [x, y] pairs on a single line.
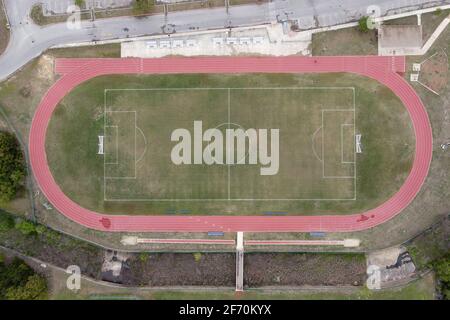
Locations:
{"points": [[383, 69]]}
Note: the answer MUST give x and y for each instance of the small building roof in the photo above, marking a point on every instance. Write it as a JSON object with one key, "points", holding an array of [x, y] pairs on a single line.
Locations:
{"points": [[400, 36]]}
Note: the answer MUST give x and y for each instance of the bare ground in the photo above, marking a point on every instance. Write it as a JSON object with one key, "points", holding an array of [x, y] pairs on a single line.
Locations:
{"points": [[299, 269], [182, 269]]}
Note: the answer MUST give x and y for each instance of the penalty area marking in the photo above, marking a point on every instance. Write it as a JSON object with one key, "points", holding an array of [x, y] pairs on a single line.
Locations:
{"points": [[323, 145], [117, 145]]}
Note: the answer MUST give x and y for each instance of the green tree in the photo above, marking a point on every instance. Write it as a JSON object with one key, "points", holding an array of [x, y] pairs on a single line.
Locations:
{"points": [[143, 6], [12, 167], [442, 269], [34, 289], [438, 12], [6, 222], [80, 3], [143, 256], [25, 227], [362, 24], [14, 274], [40, 229]]}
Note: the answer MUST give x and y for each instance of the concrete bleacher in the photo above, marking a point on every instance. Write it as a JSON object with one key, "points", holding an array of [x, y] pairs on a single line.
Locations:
{"points": [[171, 44], [254, 40], [238, 41]]}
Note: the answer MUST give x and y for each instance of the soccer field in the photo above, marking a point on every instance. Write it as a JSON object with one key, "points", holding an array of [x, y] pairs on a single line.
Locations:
{"points": [[316, 158], [260, 144]]}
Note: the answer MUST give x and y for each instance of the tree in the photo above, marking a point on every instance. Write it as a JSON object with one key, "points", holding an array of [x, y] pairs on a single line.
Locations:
{"points": [[362, 24], [80, 3], [442, 269], [6, 222], [143, 6], [12, 167], [34, 289], [25, 227], [18, 281], [14, 274]]}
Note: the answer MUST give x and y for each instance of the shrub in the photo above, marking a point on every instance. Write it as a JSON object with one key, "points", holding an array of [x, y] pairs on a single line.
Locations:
{"points": [[6, 222], [197, 256], [12, 167], [40, 229], [442, 269], [53, 237], [143, 256], [80, 3], [34, 289], [25, 227], [18, 282], [14, 274], [142, 6], [362, 24]]}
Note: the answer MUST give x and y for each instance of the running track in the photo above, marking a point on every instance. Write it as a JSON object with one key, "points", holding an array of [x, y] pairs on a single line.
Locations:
{"points": [[383, 69]]}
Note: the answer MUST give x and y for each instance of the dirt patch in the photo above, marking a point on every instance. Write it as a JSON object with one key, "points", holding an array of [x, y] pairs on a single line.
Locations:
{"points": [[349, 41], [274, 269], [434, 72], [180, 269], [45, 67]]}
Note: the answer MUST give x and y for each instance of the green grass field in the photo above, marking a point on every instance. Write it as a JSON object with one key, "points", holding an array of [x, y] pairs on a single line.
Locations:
{"points": [[317, 117]]}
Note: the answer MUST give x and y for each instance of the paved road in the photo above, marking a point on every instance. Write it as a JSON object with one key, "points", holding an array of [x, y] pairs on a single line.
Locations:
{"points": [[29, 40]]}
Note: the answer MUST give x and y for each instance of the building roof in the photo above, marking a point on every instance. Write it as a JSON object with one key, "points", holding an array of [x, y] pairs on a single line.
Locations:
{"points": [[400, 36]]}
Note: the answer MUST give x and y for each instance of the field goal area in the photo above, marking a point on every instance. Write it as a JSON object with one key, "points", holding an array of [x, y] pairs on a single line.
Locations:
{"points": [[317, 158]]}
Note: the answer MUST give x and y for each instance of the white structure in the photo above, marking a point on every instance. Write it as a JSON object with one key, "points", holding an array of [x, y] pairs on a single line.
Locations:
{"points": [[152, 44], [191, 43], [218, 41], [165, 44], [347, 243], [232, 40], [358, 143], [240, 241], [177, 44], [414, 77], [416, 67], [100, 144], [245, 41], [258, 40]]}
